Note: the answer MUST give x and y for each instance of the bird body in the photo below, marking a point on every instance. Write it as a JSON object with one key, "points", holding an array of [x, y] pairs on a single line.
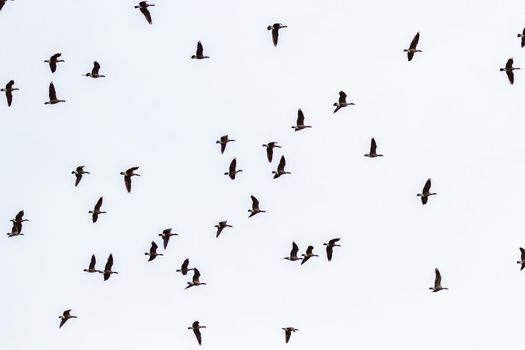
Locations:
{"points": [[196, 330], [199, 54], [195, 280], [522, 36], [223, 142], [66, 315], [221, 226], [53, 60], [522, 259], [275, 31], [16, 230], [269, 149], [53, 96], [299, 125], [166, 234], [293, 253], [9, 92], [288, 333], [96, 211], [373, 150], [78, 172], [232, 171], [330, 246], [437, 283], [426, 192], [342, 102], [92, 263], [127, 177], [184, 267], [255, 207], [413, 47], [153, 251], [143, 7], [509, 69], [107, 269], [280, 169], [309, 254], [95, 71]]}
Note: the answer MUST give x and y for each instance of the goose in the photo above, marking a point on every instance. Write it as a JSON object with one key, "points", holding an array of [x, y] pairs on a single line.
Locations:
{"points": [[509, 70], [78, 172], [14, 231], [53, 60], [166, 234], [522, 36], [66, 315], [342, 102], [107, 269], [309, 254], [255, 207], [280, 169], [18, 220], [373, 147], [437, 283], [196, 330], [300, 121], [223, 141], [9, 92], [221, 226], [127, 177], [184, 267], [94, 72], [143, 6], [412, 49], [293, 253], [2, 3], [425, 194], [195, 279], [92, 263], [275, 31], [199, 54], [330, 247], [521, 261], [288, 333], [153, 251], [269, 149], [96, 211], [232, 171], [53, 95]]}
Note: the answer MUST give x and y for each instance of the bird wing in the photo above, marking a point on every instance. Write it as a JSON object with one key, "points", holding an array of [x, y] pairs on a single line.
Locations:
{"points": [[333, 241], [55, 57], [426, 188], [275, 36], [437, 281], [410, 55], [337, 108], [282, 164], [294, 251], [255, 203], [523, 39], [19, 216], [78, 178], [185, 264], [62, 321], [127, 182], [153, 248], [165, 241], [233, 165], [329, 251], [9, 96], [92, 262], [196, 275], [414, 42], [510, 75], [508, 65], [424, 199], [200, 49], [309, 250], [99, 204], [300, 118], [146, 14], [52, 92], [132, 169], [522, 254], [198, 335], [109, 263], [52, 65], [96, 68], [287, 334], [66, 313], [269, 153], [342, 97], [373, 146], [10, 84]]}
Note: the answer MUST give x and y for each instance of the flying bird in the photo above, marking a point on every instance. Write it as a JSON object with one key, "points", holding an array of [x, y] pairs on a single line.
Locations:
{"points": [[288, 333], [280, 169], [232, 170], [66, 315], [184, 267], [107, 269], [96, 211], [53, 95], [14, 231], [166, 234], [309, 254], [9, 92], [509, 70], [413, 47], [143, 6], [437, 283], [224, 141], [196, 330], [94, 72], [153, 251], [92, 263], [293, 253], [127, 177], [330, 247], [269, 149], [53, 60], [255, 207], [195, 279], [373, 148], [522, 36], [342, 102], [522, 259], [299, 125], [78, 172], [275, 31], [426, 192], [199, 54], [17, 221], [221, 226]]}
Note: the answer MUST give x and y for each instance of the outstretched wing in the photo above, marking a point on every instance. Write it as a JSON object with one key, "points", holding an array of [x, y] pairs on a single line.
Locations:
{"points": [[414, 42], [200, 49], [300, 117], [96, 68], [146, 14], [52, 92], [342, 97], [275, 36], [282, 164], [373, 146], [92, 262]]}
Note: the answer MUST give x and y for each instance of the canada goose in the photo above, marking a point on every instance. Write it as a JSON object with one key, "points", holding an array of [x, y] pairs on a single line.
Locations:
{"points": [[425, 194], [509, 70], [342, 102], [255, 207], [96, 211], [522, 36], [521, 261], [184, 267], [143, 6], [53, 60], [437, 283], [2, 3], [199, 54], [373, 147], [412, 49], [293, 253], [92, 263], [166, 234], [309, 254], [53, 96], [94, 72], [17, 223], [288, 333], [269, 149], [330, 247], [196, 330], [280, 169], [107, 269], [127, 177], [275, 31], [232, 170], [300, 121], [195, 279], [223, 141], [9, 92], [78, 174], [66, 315], [14, 231], [221, 226], [153, 251]]}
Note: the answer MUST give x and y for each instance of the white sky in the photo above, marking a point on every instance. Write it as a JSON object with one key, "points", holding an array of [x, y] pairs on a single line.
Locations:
{"points": [[449, 115]]}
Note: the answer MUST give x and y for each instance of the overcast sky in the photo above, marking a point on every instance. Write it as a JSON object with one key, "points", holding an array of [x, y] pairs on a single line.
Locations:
{"points": [[449, 115]]}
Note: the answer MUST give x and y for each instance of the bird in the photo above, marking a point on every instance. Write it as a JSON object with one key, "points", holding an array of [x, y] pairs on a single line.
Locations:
{"points": [[509, 70], [53, 95], [288, 333], [373, 147], [127, 177], [96, 211], [293, 253], [9, 92], [17, 222], [309, 254], [224, 141], [107, 269], [412, 49], [94, 72], [199, 54], [166, 234], [269, 149], [66, 315], [196, 330], [437, 283], [300, 121], [342, 102], [522, 259], [143, 6], [255, 207], [275, 31], [78, 172], [280, 169], [53, 60], [153, 251], [184, 267], [221, 226], [232, 170], [14, 231], [330, 247], [92, 263], [2, 3], [195, 279], [425, 194], [522, 36]]}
